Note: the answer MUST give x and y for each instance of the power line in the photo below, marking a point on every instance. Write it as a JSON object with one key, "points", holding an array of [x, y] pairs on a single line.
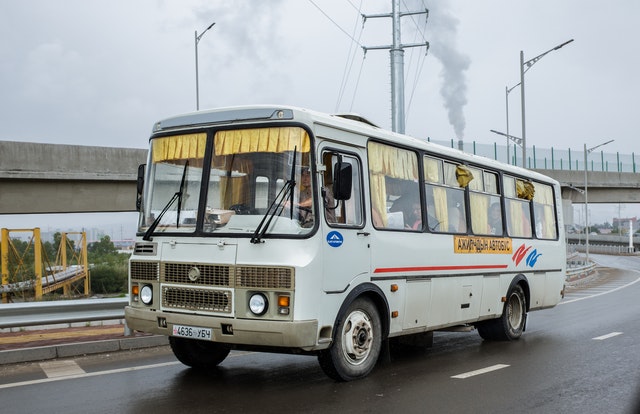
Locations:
{"points": [[334, 22], [349, 62]]}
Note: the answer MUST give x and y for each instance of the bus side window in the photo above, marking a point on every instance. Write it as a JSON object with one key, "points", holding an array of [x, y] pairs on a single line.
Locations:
{"points": [[342, 212], [544, 212], [484, 203], [391, 169]]}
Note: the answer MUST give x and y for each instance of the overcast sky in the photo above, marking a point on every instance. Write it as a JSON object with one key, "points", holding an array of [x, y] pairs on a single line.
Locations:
{"points": [[102, 72]]}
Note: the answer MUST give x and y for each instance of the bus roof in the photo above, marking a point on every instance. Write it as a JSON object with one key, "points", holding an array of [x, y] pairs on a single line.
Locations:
{"points": [[347, 122]]}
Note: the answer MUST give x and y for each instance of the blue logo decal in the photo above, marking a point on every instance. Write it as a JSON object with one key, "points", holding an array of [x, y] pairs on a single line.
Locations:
{"points": [[335, 239]]}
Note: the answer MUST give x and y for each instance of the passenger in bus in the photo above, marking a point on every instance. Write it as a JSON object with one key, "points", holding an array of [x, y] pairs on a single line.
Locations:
{"points": [[305, 201], [415, 217], [403, 205], [376, 218], [495, 219]]}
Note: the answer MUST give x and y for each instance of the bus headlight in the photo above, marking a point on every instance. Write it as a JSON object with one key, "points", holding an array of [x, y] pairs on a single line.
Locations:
{"points": [[258, 304], [146, 294]]}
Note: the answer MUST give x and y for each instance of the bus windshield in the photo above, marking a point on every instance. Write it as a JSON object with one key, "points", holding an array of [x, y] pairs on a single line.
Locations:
{"points": [[251, 174]]}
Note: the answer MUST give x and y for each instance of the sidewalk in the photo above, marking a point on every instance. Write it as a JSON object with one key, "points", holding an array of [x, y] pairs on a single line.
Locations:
{"points": [[43, 344]]}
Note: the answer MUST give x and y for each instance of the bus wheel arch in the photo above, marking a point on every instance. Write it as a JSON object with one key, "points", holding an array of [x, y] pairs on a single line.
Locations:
{"points": [[511, 324], [359, 330], [524, 284]]}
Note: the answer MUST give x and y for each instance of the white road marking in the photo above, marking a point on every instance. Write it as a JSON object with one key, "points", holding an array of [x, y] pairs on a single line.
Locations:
{"points": [[55, 369], [600, 294], [480, 371], [86, 375], [607, 336]]}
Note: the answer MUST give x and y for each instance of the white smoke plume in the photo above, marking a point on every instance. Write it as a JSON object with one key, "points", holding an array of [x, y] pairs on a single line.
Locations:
{"points": [[442, 39]]}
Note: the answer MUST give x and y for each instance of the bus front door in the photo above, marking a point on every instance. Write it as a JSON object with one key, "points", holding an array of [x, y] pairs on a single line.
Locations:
{"points": [[345, 242]]}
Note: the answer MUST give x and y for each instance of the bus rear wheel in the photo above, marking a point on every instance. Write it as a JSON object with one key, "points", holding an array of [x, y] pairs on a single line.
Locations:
{"points": [[511, 324], [357, 343], [200, 355]]}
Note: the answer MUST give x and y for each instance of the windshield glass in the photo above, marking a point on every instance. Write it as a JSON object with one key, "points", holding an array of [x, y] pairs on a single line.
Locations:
{"points": [[258, 182], [173, 183]]}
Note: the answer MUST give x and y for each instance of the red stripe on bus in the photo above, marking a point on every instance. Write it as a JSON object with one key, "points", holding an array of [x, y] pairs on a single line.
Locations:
{"points": [[437, 268]]}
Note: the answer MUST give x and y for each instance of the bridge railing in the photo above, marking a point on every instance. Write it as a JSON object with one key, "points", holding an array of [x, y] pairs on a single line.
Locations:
{"points": [[550, 158]]}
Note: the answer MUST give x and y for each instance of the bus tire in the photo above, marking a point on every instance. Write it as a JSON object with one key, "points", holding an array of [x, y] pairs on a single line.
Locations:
{"points": [[197, 354], [511, 324], [357, 343]]}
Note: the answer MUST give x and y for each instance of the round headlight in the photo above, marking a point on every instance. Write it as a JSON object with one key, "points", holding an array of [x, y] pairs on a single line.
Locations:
{"points": [[146, 294], [258, 304]]}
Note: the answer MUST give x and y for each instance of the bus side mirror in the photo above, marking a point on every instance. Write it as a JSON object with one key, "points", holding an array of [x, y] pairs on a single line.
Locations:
{"points": [[140, 186], [342, 173]]}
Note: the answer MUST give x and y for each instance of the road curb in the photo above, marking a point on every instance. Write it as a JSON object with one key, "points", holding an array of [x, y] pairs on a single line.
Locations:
{"points": [[44, 353]]}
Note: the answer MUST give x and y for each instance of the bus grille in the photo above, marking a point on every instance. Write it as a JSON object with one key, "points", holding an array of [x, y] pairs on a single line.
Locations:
{"points": [[264, 277], [197, 274], [144, 270], [148, 249], [185, 298]]}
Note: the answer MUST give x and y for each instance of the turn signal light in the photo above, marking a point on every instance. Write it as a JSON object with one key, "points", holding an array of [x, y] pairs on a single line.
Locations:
{"points": [[283, 301], [283, 304]]}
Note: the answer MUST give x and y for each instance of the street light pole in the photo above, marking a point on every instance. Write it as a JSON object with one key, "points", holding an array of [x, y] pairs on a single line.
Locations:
{"points": [[197, 39], [528, 65], [508, 90], [586, 197]]}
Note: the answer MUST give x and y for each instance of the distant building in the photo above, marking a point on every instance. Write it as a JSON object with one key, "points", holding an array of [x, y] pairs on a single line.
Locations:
{"points": [[623, 223]]}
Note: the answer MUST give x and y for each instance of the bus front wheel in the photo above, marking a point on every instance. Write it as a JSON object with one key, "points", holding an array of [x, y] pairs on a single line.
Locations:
{"points": [[356, 345], [511, 324], [200, 355]]}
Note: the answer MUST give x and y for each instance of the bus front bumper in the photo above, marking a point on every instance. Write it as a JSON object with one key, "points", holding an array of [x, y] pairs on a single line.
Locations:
{"points": [[261, 333]]}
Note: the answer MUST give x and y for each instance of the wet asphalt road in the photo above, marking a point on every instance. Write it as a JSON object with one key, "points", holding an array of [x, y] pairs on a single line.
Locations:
{"points": [[581, 357]]}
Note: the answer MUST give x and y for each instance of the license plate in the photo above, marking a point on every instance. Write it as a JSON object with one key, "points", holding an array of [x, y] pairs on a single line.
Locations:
{"points": [[193, 332]]}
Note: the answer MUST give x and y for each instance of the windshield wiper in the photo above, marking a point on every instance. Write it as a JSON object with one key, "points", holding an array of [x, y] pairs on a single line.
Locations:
{"points": [[176, 196], [276, 206]]}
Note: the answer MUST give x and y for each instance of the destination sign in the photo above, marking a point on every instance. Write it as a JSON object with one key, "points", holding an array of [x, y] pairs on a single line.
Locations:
{"points": [[482, 245]]}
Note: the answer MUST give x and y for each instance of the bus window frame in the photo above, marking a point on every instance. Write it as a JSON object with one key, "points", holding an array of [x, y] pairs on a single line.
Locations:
{"points": [[331, 151]]}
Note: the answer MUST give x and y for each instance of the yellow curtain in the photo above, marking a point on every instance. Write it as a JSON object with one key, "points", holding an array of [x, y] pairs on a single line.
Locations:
{"points": [[549, 225], [479, 213], [515, 213], [179, 147], [544, 195], [463, 175], [379, 197], [442, 215], [525, 189], [392, 162], [432, 170], [240, 141], [387, 161], [520, 225], [234, 190]]}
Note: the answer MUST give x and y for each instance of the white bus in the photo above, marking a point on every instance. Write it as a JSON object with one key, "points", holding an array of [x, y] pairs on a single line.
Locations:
{"points": [[285, 230]]}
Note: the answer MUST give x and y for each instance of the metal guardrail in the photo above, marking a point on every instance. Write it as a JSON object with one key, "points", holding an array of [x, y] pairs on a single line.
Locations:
{"points": [[16, 315], [579, 271]]}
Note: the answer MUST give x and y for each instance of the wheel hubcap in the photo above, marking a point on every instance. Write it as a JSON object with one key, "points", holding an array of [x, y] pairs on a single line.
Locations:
{"points": [[357, 337], [515, 311]]}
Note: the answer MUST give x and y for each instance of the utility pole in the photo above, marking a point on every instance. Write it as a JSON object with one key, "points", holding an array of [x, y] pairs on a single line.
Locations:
{"points": [[396, 50]]}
